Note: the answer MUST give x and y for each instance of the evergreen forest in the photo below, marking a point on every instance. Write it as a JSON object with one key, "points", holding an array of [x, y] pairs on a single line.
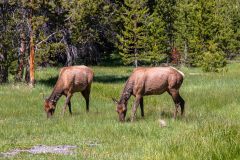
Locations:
{"points": [[41, 33]]}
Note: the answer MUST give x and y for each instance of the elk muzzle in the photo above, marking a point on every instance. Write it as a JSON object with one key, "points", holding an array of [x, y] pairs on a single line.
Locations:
{"points": [[50, 113], [122, 116]]}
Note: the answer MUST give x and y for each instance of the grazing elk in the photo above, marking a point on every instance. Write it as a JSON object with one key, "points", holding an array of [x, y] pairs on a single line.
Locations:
{"points": [[71, 79], [150, 81]]}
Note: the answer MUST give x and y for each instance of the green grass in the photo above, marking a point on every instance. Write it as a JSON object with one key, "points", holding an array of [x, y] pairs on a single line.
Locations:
{"points": [[210, 129]]}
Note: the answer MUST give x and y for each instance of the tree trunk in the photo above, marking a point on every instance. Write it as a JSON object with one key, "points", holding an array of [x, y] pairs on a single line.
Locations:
{"points": [[185, 52], [68, 47], [31, 61], [27, 74], [20, 68], [135, 48], [136, 61], [31, 54], [3, 70], [69, 55]]}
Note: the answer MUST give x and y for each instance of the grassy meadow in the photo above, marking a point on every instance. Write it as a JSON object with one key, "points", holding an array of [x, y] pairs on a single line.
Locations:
{"points": [[209, 130]]}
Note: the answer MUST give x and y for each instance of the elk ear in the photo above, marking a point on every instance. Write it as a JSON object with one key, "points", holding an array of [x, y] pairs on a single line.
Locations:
{"points": [[43, 96], [114, 100], [45, 99]]}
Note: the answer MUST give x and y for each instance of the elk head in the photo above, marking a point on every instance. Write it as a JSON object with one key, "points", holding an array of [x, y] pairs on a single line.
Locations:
{"points": [[49, 107], [121, 110]]}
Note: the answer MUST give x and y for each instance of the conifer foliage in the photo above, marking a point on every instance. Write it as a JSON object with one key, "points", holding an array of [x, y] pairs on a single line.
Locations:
{"points": [[132, 38], [142, 39], [137, 32]]}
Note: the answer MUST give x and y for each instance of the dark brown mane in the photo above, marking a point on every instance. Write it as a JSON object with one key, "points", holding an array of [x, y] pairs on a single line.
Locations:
{"points": [[56, 94], [127, 92]]}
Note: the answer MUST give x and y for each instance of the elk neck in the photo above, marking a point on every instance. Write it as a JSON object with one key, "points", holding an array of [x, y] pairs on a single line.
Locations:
{"points": [[56, 94], [127, 92]]}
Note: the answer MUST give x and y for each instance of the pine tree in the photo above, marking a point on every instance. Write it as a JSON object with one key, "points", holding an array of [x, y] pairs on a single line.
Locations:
{"points": [[187, 29], [132, 39], [156, 44], [91, 28], [167, 10], [229, 35], [203, 28], [21, 56], [8, 38], [43, 20]]}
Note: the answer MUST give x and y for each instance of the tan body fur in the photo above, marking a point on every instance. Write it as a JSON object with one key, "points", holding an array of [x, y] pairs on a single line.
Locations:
{"points": [[155, 80], [75, 79], [150, 81], [71, 79]]}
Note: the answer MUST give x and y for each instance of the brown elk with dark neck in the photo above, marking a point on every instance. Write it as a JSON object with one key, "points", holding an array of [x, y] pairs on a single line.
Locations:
{"points": [[150, 81], [71, 79]]}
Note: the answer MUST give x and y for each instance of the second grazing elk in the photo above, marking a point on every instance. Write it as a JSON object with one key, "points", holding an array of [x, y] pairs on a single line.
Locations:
{"points": [[150, 81]]}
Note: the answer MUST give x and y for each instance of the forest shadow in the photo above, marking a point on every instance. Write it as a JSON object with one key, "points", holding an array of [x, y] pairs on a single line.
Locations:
{"points": [[109, 79], [48, 82], [101, 79]]}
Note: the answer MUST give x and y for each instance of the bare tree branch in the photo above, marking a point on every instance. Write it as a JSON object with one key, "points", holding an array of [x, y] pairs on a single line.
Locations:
{"points": [[47, 38]]}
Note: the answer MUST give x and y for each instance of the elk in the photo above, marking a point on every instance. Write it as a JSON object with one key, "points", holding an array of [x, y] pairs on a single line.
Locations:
{"points": [[71, 79], [150, 81]]}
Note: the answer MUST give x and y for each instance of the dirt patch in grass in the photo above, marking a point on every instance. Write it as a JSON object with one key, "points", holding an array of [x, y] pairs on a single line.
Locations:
{"points": [[40, 149]]}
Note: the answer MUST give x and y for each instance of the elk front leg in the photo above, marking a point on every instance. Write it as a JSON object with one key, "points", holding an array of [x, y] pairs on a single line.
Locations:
{"points": [[134, 109], [67, 101], [176, 111], [141, 107]]}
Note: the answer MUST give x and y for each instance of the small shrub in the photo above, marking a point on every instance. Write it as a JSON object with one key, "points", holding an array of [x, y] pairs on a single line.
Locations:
{"points": [[213, 62]]}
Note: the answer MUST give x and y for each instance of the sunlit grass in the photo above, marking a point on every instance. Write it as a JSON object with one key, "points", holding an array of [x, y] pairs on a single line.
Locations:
{"points": [[209, 130]]}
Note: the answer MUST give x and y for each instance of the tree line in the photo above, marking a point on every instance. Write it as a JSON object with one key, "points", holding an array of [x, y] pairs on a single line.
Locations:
{"points": [[130, 32]]}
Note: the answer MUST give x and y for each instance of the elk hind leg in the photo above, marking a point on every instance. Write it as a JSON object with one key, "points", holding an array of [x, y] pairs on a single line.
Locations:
{"points": [[141, 107], [182, 105], [70, 107], [177, 100], [86, 94]]}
